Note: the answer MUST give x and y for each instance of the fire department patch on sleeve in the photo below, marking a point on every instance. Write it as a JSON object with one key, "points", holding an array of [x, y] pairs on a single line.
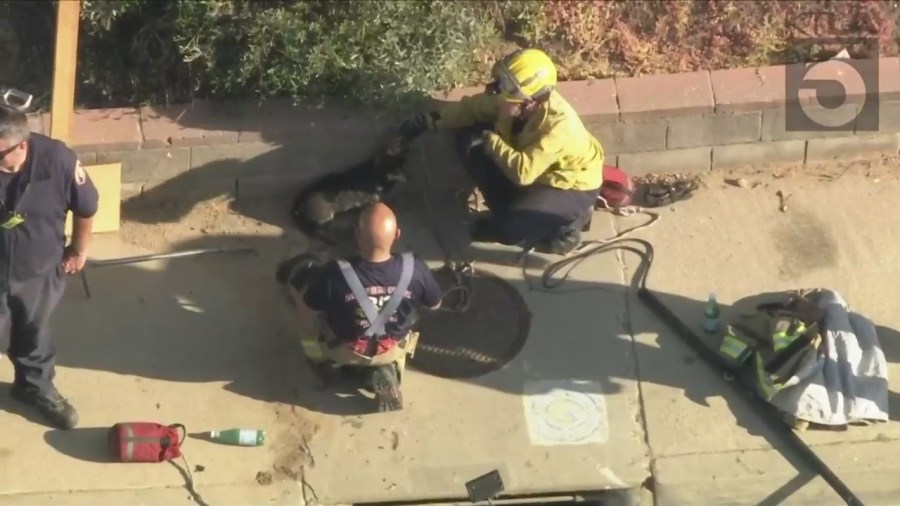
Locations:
{"points": [[80, 174]]}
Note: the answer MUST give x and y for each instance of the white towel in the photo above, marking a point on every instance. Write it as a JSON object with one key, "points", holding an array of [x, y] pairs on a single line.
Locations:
{"points": [[848, 381]]}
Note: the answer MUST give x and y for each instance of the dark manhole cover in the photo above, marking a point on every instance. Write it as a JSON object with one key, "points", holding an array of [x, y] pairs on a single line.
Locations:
{"points": [[480, 340]]}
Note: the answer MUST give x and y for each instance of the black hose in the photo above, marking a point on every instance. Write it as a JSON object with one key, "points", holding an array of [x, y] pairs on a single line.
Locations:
{"points": [[768, 412], [163, 256]]}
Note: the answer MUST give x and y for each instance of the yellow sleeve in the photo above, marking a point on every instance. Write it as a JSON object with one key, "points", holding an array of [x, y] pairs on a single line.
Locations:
{"points": [[524, 167], [480, 108]]}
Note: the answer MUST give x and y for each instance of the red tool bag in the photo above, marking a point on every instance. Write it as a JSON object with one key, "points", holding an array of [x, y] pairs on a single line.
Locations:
{"points": [[617, 189], [145, 441]]}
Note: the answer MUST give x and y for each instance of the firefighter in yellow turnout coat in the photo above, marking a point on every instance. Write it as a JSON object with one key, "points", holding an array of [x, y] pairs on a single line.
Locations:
{"points": [[536, 165]]}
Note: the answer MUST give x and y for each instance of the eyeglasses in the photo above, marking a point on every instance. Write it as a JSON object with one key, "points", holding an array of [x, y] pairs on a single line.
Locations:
{"points": [[9, 150]]}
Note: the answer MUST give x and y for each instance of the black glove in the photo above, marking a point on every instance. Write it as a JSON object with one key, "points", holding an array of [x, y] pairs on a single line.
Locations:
{"points": [[492, 88], [417, 125]]}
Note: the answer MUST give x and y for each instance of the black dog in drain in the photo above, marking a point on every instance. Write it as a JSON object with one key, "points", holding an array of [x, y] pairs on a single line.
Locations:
{"points": [[318, 207]]}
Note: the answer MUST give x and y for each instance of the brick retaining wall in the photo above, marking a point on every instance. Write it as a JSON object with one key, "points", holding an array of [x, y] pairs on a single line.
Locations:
{"points": [[696, 121]]}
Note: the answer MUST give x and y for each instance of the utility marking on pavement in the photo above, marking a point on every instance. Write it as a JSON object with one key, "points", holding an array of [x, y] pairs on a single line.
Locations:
{"points": [[565, 412]]}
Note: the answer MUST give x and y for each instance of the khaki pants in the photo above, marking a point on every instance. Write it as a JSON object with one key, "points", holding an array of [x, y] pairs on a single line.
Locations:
{"points": [[315, 333]]}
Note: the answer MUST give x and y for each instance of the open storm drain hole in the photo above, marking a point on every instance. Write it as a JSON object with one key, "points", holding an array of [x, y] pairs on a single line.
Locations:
{"points": [[480, 340]]}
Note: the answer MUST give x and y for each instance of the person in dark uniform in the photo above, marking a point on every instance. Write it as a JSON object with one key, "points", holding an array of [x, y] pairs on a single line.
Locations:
{"points": [[348, 296], [41, 180], [379, 271]]}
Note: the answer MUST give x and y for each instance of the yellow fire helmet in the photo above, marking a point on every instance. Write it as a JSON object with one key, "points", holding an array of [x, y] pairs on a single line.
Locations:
{"points": [[524, 75]]}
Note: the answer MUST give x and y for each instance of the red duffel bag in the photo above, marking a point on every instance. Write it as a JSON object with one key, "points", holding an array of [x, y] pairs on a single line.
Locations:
{"points": [[145, 441], [617, 189]]}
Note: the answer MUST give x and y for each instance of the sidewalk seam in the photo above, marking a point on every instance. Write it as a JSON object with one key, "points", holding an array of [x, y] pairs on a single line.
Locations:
{"points": [[642, 411]]}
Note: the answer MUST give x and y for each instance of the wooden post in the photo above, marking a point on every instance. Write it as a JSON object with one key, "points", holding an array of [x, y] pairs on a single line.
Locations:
{"points": [[63, 101], [107, 178]]}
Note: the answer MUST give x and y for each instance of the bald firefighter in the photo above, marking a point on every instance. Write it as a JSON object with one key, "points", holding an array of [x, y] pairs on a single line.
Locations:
{"points": [[528, 152], [367, 306]]}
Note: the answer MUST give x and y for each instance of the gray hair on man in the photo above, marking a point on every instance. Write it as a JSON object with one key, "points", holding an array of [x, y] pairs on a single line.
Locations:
{"points": [[13, 125]]}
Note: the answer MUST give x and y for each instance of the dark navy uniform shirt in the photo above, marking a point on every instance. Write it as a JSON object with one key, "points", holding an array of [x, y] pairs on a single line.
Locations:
{"points": [[49, 185], [329, 292]]}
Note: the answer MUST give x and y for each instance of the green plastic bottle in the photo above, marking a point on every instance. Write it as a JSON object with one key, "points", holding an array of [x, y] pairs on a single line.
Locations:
{"points": [[711, 314], [239, 437]]}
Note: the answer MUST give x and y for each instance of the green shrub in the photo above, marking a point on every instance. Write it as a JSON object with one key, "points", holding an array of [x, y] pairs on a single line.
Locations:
{"points": [[26, 46], [128, 54], [385, 52], [371, 52]]}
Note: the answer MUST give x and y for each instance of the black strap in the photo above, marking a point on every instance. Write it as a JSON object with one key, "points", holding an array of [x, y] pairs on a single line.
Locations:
{"points": [[183, 431], [378, 320]]}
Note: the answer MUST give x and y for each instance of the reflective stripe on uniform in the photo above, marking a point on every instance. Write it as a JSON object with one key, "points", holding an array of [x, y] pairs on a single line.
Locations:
{"points": [[781, 340], [312, 348], [129, 446], [734, 348], [764, 379]]}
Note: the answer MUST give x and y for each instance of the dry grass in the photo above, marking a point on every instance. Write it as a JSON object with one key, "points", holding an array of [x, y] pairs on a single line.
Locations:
{"points": [[598, 38]]}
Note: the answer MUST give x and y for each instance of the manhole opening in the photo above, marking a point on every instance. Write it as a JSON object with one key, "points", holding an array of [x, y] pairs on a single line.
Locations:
{"points": [[478, 341]]}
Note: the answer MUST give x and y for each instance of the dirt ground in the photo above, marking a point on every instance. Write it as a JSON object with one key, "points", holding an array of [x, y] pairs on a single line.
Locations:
{"points": [[215, 218]]}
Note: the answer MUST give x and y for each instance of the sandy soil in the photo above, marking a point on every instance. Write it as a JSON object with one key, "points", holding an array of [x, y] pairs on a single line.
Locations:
{"points": [[216, 218]]}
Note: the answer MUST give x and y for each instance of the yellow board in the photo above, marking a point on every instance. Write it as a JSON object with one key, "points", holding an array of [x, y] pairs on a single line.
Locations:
{"points": [[108, 180]]}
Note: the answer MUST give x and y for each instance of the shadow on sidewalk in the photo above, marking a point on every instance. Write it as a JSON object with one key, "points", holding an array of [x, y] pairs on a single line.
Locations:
{"points": [[890, 344], [10, 405], [300, 143], [223, 319], [89, 444]]}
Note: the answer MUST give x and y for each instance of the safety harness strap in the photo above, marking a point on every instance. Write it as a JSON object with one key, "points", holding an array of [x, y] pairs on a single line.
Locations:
{"points": [[378, 320]]}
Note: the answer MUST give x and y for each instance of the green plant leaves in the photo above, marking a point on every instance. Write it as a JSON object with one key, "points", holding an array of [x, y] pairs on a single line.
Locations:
{"points": [[397, 52]]}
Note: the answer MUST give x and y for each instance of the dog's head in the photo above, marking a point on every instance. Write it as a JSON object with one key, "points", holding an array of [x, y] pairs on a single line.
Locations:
{"points": [[391, 163]]}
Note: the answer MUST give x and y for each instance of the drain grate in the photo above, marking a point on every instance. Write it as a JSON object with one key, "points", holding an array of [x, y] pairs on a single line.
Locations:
{"points": [[481, 340]]}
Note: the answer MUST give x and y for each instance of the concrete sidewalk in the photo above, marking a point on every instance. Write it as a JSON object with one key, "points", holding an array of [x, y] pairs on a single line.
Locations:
{"points": [[551, 421], [707, 447], [206, 342], [168, 342]]}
